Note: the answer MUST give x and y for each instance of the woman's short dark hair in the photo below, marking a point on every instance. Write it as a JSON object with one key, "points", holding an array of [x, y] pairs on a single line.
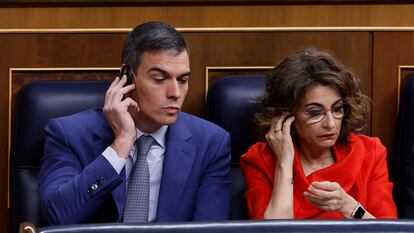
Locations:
{"points": [[151, 37], [290, 80]]}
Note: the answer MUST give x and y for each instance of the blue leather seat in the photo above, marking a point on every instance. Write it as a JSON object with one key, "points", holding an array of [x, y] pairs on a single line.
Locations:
{"points": [[403, 158], [231, 103], [37, 103]]}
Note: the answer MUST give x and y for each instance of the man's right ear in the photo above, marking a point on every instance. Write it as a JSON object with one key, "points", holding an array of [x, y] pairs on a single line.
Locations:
{"points": [[126, 70]]}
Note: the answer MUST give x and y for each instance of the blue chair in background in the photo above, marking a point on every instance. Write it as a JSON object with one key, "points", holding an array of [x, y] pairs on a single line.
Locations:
{"points": [[402, 161], [37, 103], [231, 103]]}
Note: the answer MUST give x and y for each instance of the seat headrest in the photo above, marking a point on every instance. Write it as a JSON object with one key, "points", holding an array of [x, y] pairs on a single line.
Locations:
{"points": [[43, 100], [231, 103]]}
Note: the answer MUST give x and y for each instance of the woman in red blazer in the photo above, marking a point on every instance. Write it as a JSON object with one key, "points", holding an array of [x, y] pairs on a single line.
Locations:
{"points": [[312, 164]]}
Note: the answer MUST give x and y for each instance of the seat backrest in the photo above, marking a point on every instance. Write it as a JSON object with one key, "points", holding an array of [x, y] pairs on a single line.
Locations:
{"points": [[402, 162], [38, 102], [231, 103]]}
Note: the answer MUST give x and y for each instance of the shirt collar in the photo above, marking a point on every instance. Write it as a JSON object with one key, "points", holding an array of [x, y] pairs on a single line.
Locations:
{"points": [[158, 135]]}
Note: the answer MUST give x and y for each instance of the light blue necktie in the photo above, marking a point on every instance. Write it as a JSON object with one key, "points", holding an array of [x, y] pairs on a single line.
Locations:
{"points": [[137, 199]]}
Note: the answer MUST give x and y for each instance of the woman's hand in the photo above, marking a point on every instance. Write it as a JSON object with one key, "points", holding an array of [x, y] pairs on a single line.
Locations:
{"points": [[280, 141], [330, 196], [281, 203]]}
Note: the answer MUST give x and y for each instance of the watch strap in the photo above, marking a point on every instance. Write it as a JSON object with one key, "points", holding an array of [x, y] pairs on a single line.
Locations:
{"points": [[359, 212]]}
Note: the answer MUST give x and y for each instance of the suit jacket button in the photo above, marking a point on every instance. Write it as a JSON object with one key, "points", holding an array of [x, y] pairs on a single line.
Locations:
{"points": [[100, 180], [94, 187]]}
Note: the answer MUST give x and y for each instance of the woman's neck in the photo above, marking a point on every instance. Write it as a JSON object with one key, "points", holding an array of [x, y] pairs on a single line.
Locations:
{"points": [[314, 159]]}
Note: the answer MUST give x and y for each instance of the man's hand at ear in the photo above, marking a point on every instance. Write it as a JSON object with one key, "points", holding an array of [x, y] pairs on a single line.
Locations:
{"points": [[116, 112]]}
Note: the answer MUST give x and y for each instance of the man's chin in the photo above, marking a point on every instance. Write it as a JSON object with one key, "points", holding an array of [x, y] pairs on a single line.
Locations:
{"points": [[169, 120]]}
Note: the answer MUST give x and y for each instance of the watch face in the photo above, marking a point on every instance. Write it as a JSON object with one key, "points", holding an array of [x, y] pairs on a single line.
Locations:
{"points": [[359, 213]]}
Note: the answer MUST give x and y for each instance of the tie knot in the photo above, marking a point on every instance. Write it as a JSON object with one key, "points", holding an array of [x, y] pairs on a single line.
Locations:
{"points": [[144, 144]]}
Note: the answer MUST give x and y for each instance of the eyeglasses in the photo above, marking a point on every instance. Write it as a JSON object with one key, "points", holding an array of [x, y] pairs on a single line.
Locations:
{"points": [[317, 112]]}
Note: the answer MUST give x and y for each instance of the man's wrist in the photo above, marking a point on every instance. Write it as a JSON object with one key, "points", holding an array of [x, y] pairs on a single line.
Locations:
{"points": [[122, 146], [116, 161]]}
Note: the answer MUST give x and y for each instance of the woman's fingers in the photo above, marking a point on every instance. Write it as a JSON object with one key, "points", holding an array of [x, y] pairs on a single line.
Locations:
{"points": [[279, 139], [327, 206], [325, 185], [276, 123], [326, 191], [282, 123], [287, 124], [326, 195], [273, 130]]}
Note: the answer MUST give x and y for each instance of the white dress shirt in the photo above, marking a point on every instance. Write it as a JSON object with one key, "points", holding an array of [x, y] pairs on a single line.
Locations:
{"points": [[155, 159]]}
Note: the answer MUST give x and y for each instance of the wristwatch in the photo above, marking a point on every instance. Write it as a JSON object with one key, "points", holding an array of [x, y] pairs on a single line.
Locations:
{"points": [[359, 212]]}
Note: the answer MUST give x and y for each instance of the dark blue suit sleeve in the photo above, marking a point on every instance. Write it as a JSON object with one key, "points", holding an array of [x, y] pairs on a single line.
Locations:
{"points": [[72, 182], [213, 196]]}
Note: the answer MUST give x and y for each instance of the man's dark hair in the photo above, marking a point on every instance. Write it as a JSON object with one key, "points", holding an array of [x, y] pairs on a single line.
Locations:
{"points": [[151, 37]]}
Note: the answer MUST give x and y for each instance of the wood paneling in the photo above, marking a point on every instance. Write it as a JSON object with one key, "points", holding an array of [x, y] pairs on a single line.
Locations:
{"points": [[201, 2], [215, 73], [244, 49], [391, 49], [121, 16], [207, 49]]}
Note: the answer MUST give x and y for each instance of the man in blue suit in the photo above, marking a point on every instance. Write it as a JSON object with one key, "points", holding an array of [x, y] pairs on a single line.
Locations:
{"points": [[89, 156]]}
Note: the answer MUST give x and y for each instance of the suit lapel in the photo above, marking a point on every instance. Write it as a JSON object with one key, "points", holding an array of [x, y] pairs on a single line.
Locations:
{"points": [[179, 157], [103, 137]]}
